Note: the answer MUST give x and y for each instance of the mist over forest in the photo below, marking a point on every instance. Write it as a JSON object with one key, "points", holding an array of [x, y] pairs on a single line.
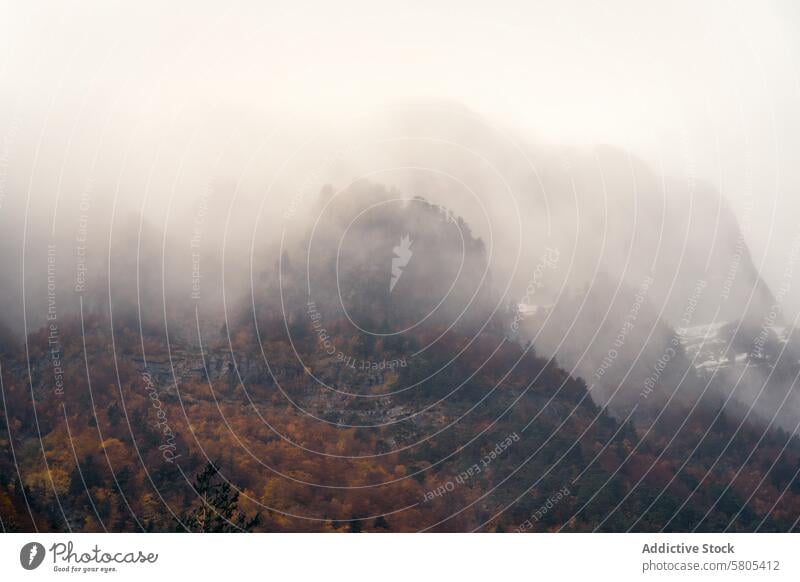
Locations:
{"points": [[319, 263]]}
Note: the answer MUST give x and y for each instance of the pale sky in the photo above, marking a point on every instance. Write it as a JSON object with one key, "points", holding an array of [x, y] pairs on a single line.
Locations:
{"points": [[714, 83]]}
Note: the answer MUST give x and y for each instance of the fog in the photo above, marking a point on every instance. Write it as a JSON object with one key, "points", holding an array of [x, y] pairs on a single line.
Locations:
{"points": [[514, 213], [116, 116], [132, 97]]}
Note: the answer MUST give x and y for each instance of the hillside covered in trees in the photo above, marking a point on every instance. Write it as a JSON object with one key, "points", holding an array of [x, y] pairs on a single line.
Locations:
{"points": [[339, 401]]}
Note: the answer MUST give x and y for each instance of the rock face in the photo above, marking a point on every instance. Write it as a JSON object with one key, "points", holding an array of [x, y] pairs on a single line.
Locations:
{"points": [[755, 368], [629, 224], [614, 339], [663, 257], [388, 263]]}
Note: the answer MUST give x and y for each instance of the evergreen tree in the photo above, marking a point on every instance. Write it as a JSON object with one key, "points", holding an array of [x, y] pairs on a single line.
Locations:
{"points": [[218, 507]]}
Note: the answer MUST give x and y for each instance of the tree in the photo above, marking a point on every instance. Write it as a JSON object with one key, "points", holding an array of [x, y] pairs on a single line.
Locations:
{"points": [[218, 507]]}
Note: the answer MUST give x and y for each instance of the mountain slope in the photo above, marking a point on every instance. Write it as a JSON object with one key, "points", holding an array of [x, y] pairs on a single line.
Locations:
{"points": [[451, 425]]}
